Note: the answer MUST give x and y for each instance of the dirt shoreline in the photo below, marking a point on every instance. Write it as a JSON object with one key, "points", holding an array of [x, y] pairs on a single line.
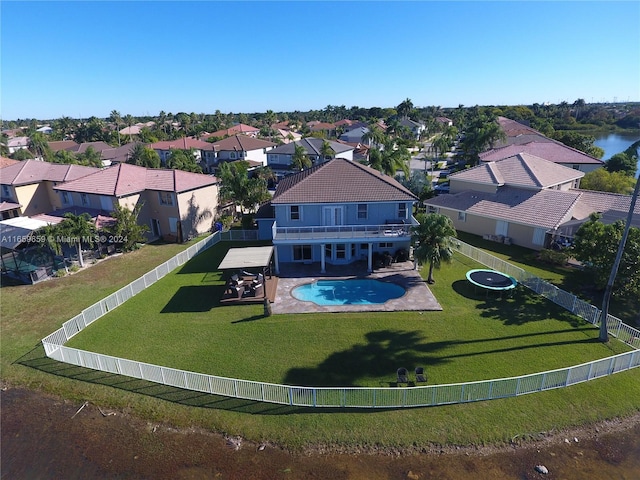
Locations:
{"points": [[44, 436]]}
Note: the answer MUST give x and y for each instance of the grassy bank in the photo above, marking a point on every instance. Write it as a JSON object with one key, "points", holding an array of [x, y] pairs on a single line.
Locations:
{"points": [[30, 313]]}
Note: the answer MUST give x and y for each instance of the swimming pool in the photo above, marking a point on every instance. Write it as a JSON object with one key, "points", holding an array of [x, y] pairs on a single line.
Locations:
{"points": [[357, 291]]}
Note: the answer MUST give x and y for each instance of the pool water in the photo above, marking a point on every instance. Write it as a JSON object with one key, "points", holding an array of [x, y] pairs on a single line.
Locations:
{"points": [[348, 292]]}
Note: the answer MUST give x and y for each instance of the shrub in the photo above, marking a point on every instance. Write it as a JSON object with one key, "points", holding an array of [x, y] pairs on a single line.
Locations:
{"points": [[553, 257]]}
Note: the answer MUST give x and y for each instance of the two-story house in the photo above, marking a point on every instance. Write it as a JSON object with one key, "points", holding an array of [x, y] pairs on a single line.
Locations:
{"points": [[339, 212], [174, 204], [203, 151], [31, 184], [279, 159], [242, 147], [516, 200]]}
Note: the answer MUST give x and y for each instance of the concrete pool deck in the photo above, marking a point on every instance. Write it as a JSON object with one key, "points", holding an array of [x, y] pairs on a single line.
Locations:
{"points": [[418, 296]]}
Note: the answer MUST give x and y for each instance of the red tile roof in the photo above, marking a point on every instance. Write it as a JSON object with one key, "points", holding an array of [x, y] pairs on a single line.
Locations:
{"points": [[62, 145], [241, 143], [5, 162], [35, 171], [340, 181], [553, 151], [184, 143], [239, 128], [124, 179]]}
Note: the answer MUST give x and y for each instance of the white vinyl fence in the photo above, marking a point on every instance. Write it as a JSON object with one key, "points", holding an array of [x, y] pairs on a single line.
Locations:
{"points": [[355, 397]]}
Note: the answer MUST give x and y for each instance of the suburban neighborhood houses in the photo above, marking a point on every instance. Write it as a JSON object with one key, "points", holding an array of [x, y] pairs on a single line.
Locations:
{"points": [[338, 191]]}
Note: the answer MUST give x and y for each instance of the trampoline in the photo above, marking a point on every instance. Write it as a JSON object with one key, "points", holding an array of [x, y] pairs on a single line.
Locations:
{"points": [[491, 280]]}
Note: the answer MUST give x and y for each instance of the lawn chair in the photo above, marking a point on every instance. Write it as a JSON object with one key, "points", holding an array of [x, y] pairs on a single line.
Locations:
{"points": [[421, 377], [403, 376]]}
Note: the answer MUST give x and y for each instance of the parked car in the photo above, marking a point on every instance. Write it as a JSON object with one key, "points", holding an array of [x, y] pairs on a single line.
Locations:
{"points": [[441, 188]]}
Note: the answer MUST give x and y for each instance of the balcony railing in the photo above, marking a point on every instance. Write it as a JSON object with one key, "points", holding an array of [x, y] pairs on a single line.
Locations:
{"points": [[387, 232]]}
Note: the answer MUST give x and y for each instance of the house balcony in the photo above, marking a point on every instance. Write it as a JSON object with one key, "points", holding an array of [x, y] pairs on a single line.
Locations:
{"points": [[388, 232]]}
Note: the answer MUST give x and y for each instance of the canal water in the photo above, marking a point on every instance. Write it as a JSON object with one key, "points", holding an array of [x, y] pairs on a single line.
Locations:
{"points": [[613, 143]]}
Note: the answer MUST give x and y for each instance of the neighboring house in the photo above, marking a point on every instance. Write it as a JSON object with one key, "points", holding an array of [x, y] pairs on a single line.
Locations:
{"points": [[242, 147], [56, 146], [279, 159], [204, 151], [176, 205], [553, 151], [339, 212], [415, 128], [118, 155], [135, 129], [5, 162], [287, 136], [447, 122], [17, 143], [46, 129], [9, 210], [240, 128], [96, 146], [522, 200], [31, 184], [354, 135], [328, 129]]}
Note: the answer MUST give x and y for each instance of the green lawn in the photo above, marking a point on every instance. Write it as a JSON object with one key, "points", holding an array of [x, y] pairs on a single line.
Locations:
{"points": [[473, 338], [179, 323]]}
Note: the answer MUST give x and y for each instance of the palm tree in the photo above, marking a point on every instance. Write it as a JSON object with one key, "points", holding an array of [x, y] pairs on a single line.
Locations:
{"points": [[433, 239], [326, 150], [375, 135], [116, 118], [129, 120], [405, 108], [299, 159], [78, 229]]}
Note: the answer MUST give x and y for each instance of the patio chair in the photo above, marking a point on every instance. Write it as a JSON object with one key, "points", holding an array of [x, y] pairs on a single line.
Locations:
{"points": [[403, 376], [421, 377]]}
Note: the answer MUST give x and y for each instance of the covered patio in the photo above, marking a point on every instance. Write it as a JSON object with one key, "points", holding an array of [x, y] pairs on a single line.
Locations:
{"points": [[248, 273]]}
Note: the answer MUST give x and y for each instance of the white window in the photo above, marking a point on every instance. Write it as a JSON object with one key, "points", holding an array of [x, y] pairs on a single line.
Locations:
{"points": [[362, 211], [385, 245], [232, 155], [301, 253], [294, 212], [502, 228], [462, 216], [166, 198], [341, 251], [85, 199], [402, 210]]}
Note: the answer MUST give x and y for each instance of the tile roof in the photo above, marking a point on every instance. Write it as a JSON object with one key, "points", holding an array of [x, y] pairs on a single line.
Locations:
{"points": [[97, 146], [543, 208], [522, 170], [239, 128], [35, 171], [5, 162], [311, 145], [123, 179], [511, 128], [241, 143], [553, 151], [604, 202], [62, 145], [340, 181], [184, 143], [321, 126], [4, 206], [119, 154]]}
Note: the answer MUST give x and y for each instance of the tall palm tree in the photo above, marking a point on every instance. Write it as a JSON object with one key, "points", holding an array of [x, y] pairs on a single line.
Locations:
{"points": [[433, 239], [129, 120], [116, 118]]}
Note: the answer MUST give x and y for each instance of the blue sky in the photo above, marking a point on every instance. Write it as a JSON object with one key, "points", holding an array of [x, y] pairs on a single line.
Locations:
{"points": [[80, 59]]}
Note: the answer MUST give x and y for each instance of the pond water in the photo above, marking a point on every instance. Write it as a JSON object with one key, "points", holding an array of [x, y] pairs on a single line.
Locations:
{"points": [[348, 292], [613, 143]]}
